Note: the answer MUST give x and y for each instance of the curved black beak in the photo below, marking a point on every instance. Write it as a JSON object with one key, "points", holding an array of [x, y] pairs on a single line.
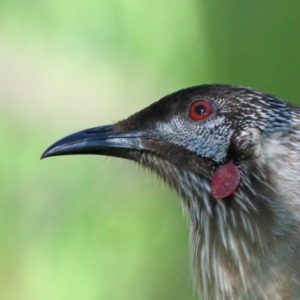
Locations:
{"points": [[97, 140]]}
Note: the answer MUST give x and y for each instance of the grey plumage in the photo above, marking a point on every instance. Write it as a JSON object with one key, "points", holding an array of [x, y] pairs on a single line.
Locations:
{"points": [[247, 245]]}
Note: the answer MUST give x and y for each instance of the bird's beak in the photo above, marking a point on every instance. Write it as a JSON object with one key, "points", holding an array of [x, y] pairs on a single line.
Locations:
{"points": [[98, 140]]}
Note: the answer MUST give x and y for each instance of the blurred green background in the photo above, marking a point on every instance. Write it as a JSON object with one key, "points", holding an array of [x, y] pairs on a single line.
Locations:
{"points": [[86, 227]]}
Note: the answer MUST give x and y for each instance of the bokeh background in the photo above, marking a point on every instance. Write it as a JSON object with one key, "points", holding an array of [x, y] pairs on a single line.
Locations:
{"points": [[86, 227]]}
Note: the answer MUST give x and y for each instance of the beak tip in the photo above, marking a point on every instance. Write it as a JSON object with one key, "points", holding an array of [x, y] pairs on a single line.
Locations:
{"points": [[45, 155], [49, 152]]}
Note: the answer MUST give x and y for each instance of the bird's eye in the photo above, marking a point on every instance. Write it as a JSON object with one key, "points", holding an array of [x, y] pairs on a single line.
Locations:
{"points": [[200, 110]]}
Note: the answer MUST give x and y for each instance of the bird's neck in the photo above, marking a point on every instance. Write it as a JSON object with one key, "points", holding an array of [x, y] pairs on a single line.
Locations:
{"points": [[240, 245], [244, 246]]}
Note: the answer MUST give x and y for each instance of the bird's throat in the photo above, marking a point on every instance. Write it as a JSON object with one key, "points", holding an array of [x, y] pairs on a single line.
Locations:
{"points": [[225, 181]]}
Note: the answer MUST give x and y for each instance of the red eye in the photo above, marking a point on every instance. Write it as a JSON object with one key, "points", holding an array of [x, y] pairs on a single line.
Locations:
{"points": [[200, 110]]}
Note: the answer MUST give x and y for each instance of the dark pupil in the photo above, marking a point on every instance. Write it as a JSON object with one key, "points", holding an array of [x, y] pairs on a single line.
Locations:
{"points": [[200, 109]]}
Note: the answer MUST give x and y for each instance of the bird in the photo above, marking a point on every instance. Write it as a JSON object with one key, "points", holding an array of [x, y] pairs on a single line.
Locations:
{"points": [[232, 155]]}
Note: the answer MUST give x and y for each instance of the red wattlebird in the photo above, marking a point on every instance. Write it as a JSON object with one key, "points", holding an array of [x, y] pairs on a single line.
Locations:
{"points": [[232, 155]]}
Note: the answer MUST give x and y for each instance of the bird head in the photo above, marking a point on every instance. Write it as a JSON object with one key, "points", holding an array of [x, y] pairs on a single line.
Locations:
{"points": [[231, 153], [209, 131]]}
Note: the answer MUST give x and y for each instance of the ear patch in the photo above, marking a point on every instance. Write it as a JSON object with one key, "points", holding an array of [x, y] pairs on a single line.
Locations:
{"points": [[225, 181]]}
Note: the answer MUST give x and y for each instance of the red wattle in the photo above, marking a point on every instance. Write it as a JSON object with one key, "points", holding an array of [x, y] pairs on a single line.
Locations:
{"points": [[225, 181]]}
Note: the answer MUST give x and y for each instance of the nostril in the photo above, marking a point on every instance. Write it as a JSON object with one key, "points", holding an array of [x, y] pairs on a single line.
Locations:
{"points": [[97, 130]]}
